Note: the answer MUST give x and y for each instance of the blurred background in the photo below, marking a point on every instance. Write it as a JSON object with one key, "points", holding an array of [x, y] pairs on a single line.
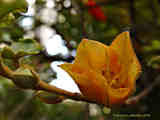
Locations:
{"points": [[59, 26]]}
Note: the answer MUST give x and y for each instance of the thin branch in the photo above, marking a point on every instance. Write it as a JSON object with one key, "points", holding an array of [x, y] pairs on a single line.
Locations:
{"points": [[142, 94], [132, 11], [53, 89], [84, 32], [154, 12], [41, 85], [55, 57]]}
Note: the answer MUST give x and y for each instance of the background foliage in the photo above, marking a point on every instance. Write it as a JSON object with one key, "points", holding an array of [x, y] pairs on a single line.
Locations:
{"points": [[72, 20]]}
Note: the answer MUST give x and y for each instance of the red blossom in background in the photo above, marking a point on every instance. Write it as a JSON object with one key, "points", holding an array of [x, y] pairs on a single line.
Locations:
{"points": [[96, 11]]}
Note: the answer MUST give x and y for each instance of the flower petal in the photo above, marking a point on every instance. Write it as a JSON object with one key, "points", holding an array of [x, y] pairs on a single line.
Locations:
{"points": [[92, 85], [129, 63], [92, 54], [114, 63], [118, 96], [121, 54]]}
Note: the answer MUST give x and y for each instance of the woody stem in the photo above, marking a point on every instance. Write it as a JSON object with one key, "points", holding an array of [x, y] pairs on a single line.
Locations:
{"points": [[53, 89]]}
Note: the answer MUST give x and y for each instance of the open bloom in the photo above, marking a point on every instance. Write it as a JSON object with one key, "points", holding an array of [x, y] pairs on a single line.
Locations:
{"points": [[106, 74]]}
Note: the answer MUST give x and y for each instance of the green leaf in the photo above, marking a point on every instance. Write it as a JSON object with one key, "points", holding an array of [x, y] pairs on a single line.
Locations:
{"points": [[8, 53], [42, 66], [7, 6], [154, 62], [23, 78], [26, 47], [5, 81], [11, 63], [7, 20]]}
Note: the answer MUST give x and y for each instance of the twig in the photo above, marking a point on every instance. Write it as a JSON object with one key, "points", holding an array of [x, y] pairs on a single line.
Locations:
{"points": [[53, 89], [38, 84], [55, 57], [142, 94], [154, 12], [132, 11], [82, 21]]}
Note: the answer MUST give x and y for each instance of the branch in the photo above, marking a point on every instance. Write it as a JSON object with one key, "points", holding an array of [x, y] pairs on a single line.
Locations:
{"points": [[53, 89], [37, 84], [55, 57], [154, 12], [141, 95]]}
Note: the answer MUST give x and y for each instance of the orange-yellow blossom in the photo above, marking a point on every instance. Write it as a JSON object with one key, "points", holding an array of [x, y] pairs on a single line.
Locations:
{"points": [[106, 74]]}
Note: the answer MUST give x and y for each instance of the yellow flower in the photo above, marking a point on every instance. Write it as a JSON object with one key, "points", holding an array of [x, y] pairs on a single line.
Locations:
{"points": [[106, 74]]}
